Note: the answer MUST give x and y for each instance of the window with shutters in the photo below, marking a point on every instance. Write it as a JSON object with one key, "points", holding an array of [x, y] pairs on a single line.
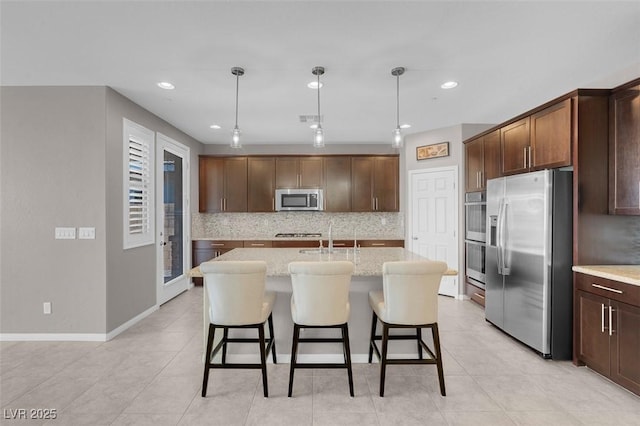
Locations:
{"points": [[139, 208]]}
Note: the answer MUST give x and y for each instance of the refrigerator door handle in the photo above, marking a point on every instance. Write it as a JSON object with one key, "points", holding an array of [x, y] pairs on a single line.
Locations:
{"points": [[503, 238], [499, 236]]}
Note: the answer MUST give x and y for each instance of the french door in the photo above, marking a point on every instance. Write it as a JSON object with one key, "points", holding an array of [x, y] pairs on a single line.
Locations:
{"points": [[173, 218]]}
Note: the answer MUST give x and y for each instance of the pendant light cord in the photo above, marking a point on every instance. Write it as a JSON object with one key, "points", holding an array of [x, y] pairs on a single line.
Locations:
{"points": [[237, 85], [398, 100], [318, 98]]}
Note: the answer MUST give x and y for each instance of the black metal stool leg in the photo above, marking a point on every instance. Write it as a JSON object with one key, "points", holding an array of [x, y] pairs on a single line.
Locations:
{"points": [[419, 338], [347, 353], [383, 361], [225, 336], [263, 360], [294, 352], [273, 339], [207, 359], [436, 344], [372, 342]]}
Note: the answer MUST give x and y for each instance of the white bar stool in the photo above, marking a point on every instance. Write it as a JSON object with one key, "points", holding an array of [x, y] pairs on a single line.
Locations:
{"points": [[409, 300], [237, 299], [320, 300]]}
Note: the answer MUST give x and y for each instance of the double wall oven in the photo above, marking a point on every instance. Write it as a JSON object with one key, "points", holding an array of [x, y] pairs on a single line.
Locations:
{"points": [[475, 237]]}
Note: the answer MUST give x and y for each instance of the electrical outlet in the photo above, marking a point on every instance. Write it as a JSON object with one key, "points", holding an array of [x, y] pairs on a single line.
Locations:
{"points": [[65, 233], [46, 308]]}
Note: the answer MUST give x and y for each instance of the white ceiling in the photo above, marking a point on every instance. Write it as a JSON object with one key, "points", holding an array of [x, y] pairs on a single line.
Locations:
{"points": [[508, 57]]}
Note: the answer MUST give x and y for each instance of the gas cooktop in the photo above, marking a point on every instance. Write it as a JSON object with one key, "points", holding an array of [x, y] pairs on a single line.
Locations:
{"points": [[298, 234]]}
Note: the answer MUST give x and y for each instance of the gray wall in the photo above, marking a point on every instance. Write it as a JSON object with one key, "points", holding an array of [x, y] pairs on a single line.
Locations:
{"points": [[53, 174], [61, 165]]}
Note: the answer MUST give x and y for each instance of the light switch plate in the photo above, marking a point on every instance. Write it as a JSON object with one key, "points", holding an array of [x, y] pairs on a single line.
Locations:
{"points": [[65, 233], [87, 233]]}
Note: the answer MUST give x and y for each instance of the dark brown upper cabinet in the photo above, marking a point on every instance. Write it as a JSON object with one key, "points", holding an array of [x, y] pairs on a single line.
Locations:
{"points": [[374, 184], [299, 172], [223, 184], [514, 139], [551, 137], [624, 151], [482, 161], [337, 184], [261, 185]]}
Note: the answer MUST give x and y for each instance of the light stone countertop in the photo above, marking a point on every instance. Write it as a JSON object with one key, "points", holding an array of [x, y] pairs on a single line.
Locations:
{"points": [[272, 237], [368, 261], [629, 274]]}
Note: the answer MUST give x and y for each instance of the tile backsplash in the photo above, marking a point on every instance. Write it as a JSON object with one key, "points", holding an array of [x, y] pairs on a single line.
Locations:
{"points": [[248, 226]]}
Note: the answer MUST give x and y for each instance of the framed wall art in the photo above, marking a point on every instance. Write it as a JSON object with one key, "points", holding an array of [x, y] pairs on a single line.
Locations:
{"points": [[435, 150]]}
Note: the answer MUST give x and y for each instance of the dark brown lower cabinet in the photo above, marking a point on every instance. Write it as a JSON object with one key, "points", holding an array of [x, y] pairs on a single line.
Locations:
{"points": [[607, 330], [475, 293], [204, 250]]}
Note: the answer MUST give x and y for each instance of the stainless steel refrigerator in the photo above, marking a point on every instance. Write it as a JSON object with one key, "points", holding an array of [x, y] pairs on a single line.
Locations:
{"points": [[528, 259]]}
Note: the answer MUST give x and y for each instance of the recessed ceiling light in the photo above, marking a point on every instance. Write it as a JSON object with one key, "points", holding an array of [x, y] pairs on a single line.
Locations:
{"points": [[166, 85], [313, 85], [449, 84], [215, 126]]}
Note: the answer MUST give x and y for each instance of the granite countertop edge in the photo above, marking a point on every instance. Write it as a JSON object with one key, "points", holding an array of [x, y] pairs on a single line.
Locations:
{"points": [[629, 274], [272, 238]]}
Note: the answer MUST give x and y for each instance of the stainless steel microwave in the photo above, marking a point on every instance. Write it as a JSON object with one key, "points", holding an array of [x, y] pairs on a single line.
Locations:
{"points": [[299, 199]]}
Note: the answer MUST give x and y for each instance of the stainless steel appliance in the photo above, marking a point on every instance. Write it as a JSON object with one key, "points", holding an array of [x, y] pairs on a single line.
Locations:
{"points": [[475, 236], [528, 259], [299, 199]]}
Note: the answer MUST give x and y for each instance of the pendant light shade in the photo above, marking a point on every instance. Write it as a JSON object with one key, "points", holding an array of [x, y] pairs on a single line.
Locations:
{"points": [[318, 132], [235, 135], [397, 140]]}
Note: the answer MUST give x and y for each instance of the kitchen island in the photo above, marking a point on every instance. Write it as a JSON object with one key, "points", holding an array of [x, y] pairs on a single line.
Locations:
{"points": [[367, 276]]}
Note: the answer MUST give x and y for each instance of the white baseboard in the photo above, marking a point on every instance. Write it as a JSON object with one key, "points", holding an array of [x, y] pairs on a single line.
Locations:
{"points": [[75, 337]]}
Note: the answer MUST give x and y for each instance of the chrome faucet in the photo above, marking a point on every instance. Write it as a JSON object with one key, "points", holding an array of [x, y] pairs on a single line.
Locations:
{"points": [[330, 239]]}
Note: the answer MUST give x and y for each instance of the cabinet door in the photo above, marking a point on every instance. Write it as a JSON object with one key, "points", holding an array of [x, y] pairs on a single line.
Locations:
{"points": [[362, 184], [235, 184], [593, 335], [551, 137], [337, 184], [515, 147], [385, 184], [261, 184], [624, 152], [311, 172], [287, 175], [211, 184], [492, 156], [474, 164], [625, 346]]}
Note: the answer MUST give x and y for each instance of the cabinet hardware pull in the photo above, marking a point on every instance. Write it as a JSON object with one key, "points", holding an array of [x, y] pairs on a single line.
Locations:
{"points": [[602, 317], [221, 204], [338, 244], [529, 150], [217, 244], [257, 244], [613, 290], [611, 331], [377, 244], [273, 202], [481, 179], [524, 153], [479, 295]]}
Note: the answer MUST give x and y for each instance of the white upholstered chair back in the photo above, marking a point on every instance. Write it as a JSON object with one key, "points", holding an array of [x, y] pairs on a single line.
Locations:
{"points": [[236, 291], [320, 292], [411, 291]]}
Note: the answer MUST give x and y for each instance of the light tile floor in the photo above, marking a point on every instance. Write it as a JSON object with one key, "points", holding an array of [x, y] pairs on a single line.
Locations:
{"points": [[152, 373]]}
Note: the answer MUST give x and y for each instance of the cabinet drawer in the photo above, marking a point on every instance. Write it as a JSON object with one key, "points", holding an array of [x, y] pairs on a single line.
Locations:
{"points": [[295, 244], [217, 244], [338, 243], [610, 289], [381, 243], [257, 244], [475, 293]]}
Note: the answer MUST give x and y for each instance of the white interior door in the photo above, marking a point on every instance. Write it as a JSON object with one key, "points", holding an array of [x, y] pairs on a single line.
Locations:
{"points": [[173, 218], [434, 219]]}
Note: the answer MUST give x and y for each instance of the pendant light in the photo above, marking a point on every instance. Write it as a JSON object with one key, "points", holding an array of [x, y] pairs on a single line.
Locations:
{"points": [[397, 132], [318, 133], [235, 135]]}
